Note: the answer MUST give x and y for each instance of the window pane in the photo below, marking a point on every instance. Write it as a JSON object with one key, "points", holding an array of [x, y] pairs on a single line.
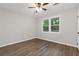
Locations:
{"points": [[55, 28], [55, 24], [55, 21], [46, 22], [45, 28]]}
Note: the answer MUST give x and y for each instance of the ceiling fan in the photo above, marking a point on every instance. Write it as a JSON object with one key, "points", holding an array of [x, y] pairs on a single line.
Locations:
{"points": [[41, 6]]}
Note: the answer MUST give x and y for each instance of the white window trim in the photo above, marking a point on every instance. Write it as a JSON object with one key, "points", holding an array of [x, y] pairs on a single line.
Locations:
{"points": [[50, 25]]}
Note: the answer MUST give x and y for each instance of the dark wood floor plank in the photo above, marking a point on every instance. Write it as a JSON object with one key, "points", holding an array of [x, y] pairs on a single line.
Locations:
{"points": [[38, 47]]}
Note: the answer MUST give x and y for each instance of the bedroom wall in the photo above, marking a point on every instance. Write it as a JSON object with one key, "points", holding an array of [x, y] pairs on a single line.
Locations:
{"points": [[15, 27], [68, 34]]}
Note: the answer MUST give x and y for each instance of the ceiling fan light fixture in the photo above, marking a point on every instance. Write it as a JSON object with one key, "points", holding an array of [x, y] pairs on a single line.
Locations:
{"points": [[38, 9]]}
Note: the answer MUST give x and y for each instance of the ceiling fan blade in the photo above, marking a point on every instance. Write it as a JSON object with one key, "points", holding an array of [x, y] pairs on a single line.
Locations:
{"points": [[45, 4], [39, 4], [55, 4], [31, 7], [44, 9]]}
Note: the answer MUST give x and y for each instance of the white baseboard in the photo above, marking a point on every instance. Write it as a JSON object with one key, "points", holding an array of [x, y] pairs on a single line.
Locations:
{"points": [[15, 42], [59, 42], [42, 39]]}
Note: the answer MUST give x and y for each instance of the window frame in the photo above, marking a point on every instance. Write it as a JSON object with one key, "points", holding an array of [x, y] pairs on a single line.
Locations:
{"points": [[46, 25], [51, 24], [42, 25], [49, 19]]}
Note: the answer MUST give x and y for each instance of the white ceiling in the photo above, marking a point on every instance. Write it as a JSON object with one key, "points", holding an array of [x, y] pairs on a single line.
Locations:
{"points": [[22, 8]]}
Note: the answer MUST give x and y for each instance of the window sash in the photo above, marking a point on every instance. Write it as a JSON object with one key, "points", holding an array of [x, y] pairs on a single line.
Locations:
{"points": [[54, 27], [46, 28], [46, 22]]}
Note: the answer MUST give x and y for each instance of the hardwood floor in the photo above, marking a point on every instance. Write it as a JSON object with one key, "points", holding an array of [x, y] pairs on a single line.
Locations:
{"points": [[38, 47]]}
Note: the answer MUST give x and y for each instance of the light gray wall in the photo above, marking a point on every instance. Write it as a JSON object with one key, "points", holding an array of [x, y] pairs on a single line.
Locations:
{"points": [[68, 34], [15, 27]]}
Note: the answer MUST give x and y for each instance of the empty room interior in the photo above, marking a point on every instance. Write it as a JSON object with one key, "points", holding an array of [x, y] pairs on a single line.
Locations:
{"points": [[39, 29]]}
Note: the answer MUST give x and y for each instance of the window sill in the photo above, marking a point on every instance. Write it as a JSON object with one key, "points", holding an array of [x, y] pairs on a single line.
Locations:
{"points": [[52, 32]]}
